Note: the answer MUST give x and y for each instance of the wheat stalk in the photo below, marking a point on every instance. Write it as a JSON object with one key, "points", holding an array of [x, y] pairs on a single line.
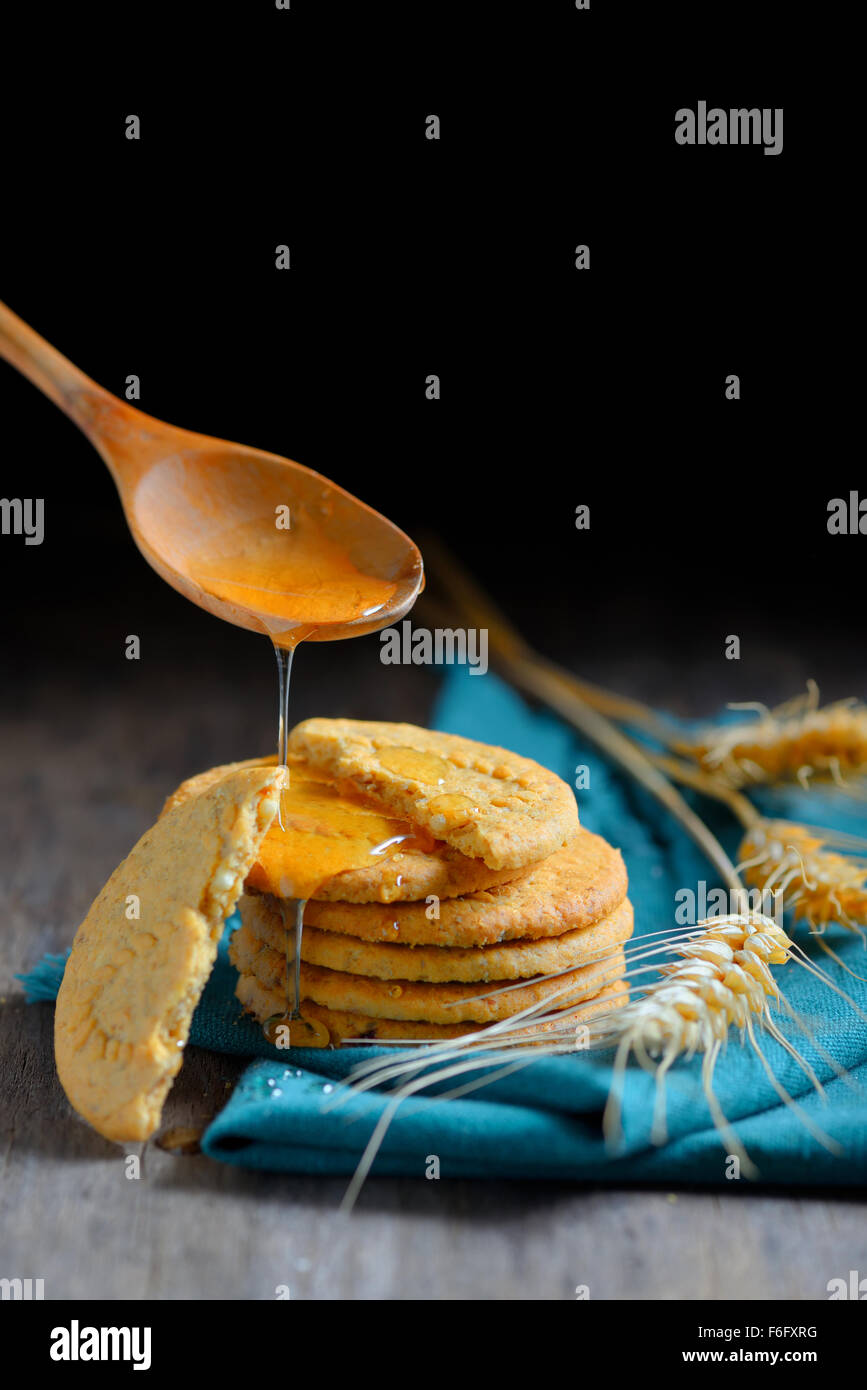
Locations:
{"points": [[798, 741]]}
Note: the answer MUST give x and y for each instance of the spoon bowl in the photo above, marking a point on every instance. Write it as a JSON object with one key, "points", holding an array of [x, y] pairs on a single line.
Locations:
{"points": [[256, 539], [270, 545]]}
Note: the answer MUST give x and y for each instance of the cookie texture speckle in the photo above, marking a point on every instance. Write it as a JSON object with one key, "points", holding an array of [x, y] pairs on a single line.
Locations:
{"points": [[143, 953], [484, 801]]}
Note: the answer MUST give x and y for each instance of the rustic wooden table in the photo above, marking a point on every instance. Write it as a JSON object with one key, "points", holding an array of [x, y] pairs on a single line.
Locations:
{"points": [[87, 764]]}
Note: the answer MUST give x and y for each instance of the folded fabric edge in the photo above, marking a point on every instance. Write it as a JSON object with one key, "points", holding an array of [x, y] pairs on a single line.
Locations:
{"points": [[43, 981]]}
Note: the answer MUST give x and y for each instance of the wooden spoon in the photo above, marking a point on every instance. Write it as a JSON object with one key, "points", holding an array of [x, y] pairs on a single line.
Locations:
{"points": [[254, 538]]}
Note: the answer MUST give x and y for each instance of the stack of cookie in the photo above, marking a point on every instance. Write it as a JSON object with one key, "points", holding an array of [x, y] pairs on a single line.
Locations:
{"points": [[443, 886], [487, 899]]}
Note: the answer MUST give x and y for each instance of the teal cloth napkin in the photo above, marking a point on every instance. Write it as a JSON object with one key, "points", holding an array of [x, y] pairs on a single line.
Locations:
{"points": [[544, 1120]]}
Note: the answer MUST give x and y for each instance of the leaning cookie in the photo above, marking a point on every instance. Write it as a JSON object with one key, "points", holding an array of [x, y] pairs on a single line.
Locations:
{"points": [[143, 953]]}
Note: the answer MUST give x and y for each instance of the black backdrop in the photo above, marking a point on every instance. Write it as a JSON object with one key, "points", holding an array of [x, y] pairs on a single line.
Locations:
{"points": [[455, 257]]}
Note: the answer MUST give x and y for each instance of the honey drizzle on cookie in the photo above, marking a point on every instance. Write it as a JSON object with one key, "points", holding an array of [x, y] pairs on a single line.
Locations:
{"points": [[324, 830], [303, 583], [321, 829], [292, 1029]]}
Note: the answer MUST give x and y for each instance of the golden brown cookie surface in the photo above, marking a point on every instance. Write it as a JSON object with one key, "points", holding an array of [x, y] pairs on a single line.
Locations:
{"points": [[518, 959], [144, 951], [405, 870], [419, 1001], [484, 801], [343, 1025], [574, 888]]}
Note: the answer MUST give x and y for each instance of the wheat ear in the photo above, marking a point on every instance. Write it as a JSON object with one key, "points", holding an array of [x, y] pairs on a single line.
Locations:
{"points": [[800, 863], [798, 741], [820, 885]]}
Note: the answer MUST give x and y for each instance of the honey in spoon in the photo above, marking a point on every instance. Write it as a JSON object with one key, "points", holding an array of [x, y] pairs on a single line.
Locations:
{"points": [[305, 581]]}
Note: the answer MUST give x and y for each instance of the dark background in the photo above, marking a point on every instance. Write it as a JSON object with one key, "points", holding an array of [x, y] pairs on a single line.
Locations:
{"points": [[708, 517]]}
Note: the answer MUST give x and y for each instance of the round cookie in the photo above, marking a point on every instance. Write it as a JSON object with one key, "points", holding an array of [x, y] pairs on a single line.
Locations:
{"points": [[410, 876], [486, 802], [388, 961], [344, 1026], [406, 875], [415, 1001], [572, 889]]}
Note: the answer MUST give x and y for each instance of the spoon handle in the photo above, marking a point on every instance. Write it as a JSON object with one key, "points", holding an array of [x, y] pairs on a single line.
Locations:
{"points": [[48, 369], [125, 437]]}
